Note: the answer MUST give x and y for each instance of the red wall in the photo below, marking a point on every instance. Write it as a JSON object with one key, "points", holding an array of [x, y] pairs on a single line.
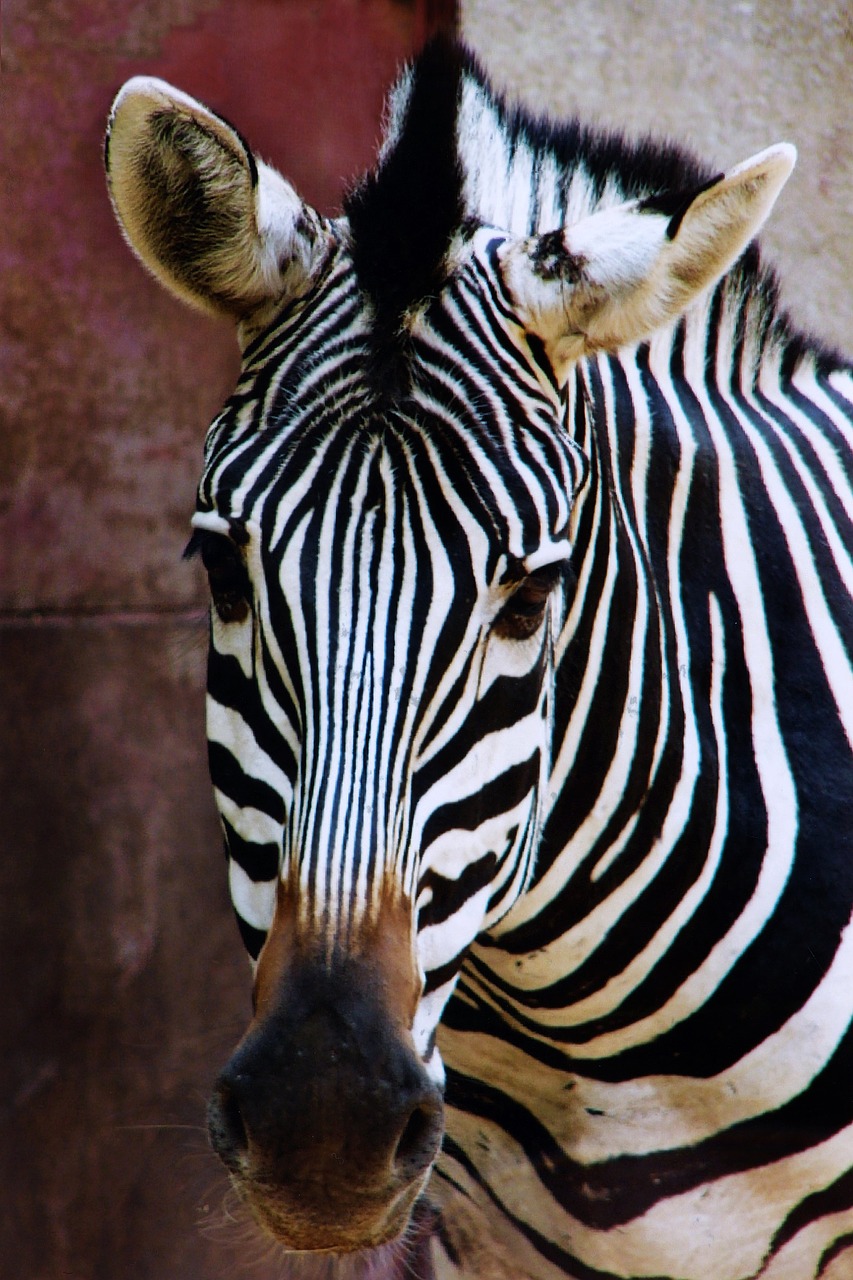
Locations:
{"points": [[123, 981]]}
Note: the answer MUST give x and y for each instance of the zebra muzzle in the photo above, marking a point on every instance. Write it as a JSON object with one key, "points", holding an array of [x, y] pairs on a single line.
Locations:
{"points": [[325, 1116]]}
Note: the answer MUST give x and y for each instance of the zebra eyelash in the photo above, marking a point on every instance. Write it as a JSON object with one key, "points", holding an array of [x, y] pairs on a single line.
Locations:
{"points": [[524, 612], [228, 577]]}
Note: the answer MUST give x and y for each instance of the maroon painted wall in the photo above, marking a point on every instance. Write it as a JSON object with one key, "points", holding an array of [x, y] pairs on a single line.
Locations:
{"points": [[122, 978]]}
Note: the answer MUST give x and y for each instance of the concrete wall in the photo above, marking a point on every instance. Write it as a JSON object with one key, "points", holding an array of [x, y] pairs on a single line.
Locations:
{"points": [[726, 78]]}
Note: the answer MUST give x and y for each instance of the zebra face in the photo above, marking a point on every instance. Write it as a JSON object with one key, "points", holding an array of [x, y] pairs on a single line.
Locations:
{"points": [[378, 716], [385, 517]]}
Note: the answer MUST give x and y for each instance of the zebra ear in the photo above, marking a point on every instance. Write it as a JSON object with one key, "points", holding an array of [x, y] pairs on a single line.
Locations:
{"points": [[616, 276], [224, 232]]}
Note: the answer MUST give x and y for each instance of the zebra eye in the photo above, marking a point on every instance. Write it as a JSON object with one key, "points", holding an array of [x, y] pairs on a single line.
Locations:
{"points": [[230, 588], [524, 612]]}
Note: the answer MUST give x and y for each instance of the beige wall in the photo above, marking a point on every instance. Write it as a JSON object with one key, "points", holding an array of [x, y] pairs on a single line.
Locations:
{"points": [[726, 78]]}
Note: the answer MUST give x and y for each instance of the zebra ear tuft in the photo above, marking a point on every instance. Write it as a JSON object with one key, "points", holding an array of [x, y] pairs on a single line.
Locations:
{"points": [[616, 276], [222, 231]]}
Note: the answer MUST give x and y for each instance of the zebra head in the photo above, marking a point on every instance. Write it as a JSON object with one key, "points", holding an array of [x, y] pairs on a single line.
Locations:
{"points": [[385, 516]]}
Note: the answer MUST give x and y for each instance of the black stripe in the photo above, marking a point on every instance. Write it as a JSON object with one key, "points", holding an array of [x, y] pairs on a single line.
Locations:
{"points": [[246, 792], [835, 1198], [259, 861]]}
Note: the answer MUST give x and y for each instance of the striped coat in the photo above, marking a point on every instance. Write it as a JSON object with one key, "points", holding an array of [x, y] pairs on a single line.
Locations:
{"points": [[528, 530]]}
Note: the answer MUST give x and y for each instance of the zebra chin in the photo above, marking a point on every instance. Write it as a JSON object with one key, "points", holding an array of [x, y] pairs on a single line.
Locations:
{"points": [[408, 1255], [367, 1235]]}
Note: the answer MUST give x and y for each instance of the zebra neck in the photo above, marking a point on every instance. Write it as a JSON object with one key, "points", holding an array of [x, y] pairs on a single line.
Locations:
{"points": [[654, 785]]}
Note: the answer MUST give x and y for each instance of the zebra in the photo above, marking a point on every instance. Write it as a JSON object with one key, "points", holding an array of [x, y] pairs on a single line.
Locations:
{"points": [[530, 708]]}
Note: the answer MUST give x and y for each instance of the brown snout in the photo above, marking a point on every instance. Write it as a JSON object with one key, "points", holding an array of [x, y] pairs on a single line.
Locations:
{"points": [[325, 1116]]}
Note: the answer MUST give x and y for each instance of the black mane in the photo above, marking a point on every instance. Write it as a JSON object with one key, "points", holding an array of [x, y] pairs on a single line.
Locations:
{"points": [[404, 214]]}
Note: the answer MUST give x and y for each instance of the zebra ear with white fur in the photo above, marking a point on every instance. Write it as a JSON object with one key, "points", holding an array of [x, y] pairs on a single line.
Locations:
{"points": [[220, 229], [616, 276]]}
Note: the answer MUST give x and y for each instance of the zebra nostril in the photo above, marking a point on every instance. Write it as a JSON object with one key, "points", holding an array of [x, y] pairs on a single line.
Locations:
{"points": [[225, 1124], [418, 1143]]}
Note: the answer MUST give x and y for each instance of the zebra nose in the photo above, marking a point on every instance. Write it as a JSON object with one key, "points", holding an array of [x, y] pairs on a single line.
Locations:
{"points": [[420, 1138], [225, 1126], [328, 1121], [413, 1125]]}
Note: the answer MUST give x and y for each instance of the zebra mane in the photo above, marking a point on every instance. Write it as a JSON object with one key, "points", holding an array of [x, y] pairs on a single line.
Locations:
{"points": [[455, 151], [404, 214]]}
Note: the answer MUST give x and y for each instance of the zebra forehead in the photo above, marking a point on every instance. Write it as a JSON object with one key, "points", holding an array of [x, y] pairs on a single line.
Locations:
{"points": [[435, 480], [420, 490]]}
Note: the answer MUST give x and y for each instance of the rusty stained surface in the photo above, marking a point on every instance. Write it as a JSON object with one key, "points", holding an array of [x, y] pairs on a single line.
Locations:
{"points": [[107, 383], [123, 980]]}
